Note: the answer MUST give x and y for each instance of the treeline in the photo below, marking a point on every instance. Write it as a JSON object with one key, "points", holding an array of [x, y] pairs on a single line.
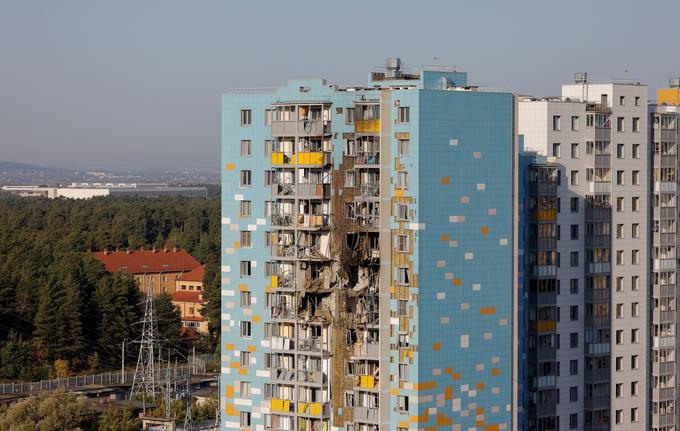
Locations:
{"points": [[60, 311]]}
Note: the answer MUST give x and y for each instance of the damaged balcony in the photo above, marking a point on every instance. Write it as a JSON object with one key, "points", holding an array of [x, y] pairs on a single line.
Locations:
{"points": [[301, 119]]}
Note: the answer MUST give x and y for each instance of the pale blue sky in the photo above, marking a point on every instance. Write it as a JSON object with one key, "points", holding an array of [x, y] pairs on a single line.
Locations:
{"points": [[136, 83]]}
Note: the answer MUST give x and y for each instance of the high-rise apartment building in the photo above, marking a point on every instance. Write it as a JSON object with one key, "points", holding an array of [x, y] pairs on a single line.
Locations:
{"points": [[369, 275], [589, 226]]}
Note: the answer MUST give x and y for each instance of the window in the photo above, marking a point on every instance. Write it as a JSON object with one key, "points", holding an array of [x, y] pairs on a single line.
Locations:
{"points": [[402, 243], [590, 173], [620, 178], [619, 231], [573, 205], [573, 178], [267, 117], [574, 232], [636, 178], [619, 336], [619, 311], [402, 212], [402, 180], [403, 277], [246, 178], [620, 122], [573, 340], [573, 421], [634, 391], [244, 388], [573, 259], [634, 362], [556, 150], [636, 151], [635, 282], [635, 203], [402, 147], [635, 309], [619, 363], [404, 114], [618, 390], [245, 208], [350, 115], [268, 145], [403, 372], [573, 367], [402, 403], [573, 286], [573, 394], [619, 257], [618, 417], [245, 358], [349, 179], [620, 151], [245, 419], [268, 178], [558, 232], [573, 313], [349, 399], [402, 309], [574, 151], [634, 414], [636, 125], [574, 124], [246, 239], [619, 204], [245, 329], [634, 336], [637, 100], [246, 268], [635, 257], [245, 117], [557, 123], [245, 299], [619, 284], [245, 148]]}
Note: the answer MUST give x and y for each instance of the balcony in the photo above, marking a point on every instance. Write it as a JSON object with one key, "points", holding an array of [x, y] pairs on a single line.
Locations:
{"points": [[663, 213], [544, 215], [367, 158], [303, 127], [284, 251], [600, 187], [366, 350], [315, 345], [282, 219], [366, 414], [369, 190], [366, 381], [284, 281], [313, 220], [664, 264], [659, 316], [541, 326], [664, 238], [283, 189], [665, 186], [598, 241], [598, 268], [663, 291], [321, 410], [279, 405], [544, 270], [367, 126], [303, 158], [665, 394], [663, 342], [283, 313], [314, 191], [282, 343]]}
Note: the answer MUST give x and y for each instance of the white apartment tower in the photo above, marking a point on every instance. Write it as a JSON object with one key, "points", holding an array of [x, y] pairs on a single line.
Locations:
{"points": [[597, 133]]}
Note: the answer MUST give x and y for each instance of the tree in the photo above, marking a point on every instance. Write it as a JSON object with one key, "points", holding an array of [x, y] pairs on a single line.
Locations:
{"points": [[121, 420], [169, 323], [212, 308], [49, 412], [17, 360]]}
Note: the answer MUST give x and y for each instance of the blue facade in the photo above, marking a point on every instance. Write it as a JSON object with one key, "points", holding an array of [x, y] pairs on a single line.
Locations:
{"points": [[461, 172]]}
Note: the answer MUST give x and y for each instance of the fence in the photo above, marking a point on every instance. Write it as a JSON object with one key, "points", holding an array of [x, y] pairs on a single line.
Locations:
{"points": [[110, 378]]}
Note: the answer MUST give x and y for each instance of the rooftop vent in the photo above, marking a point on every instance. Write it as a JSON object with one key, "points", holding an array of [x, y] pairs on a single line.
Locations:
{"points": [[393, 66]]}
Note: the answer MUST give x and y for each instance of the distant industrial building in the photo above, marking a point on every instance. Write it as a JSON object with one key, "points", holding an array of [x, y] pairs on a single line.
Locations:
{"points": [[90, 190]]}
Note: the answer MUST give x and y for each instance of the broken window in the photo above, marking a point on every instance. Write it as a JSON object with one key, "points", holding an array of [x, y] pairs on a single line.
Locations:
{"points": [[403, 276]]}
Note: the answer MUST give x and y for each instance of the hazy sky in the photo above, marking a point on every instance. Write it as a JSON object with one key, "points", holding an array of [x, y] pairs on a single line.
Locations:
{"points": [[137, 83]]}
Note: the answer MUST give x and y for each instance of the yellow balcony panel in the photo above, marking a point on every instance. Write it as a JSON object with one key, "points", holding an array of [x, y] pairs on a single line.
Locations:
{"points": [[275, 281], [367, 126], [315, 408], [279, 158], [544, 215], [367, 382], [315, 158], [280, 405], [546, 325]]}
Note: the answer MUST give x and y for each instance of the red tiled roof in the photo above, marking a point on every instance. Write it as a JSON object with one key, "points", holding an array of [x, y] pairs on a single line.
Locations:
{"points": [[187, 296], [193, 318], [195, 274], [139, 262]]}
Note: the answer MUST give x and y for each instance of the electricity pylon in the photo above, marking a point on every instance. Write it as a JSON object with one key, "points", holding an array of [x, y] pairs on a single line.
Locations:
{"points": [[145, 373]]}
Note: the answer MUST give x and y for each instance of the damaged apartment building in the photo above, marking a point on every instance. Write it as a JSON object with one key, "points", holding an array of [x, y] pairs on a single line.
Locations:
{"points": [[368, 255]]}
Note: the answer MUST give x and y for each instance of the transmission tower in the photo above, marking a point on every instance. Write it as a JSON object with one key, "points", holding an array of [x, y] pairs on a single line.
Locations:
{"points": [[145, 373], [188, 420]]}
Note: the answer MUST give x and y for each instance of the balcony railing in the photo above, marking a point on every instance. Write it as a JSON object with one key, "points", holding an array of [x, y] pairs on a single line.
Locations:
{"points": [[367, 158], [282, 219], [313, 345], [281, 312]]}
